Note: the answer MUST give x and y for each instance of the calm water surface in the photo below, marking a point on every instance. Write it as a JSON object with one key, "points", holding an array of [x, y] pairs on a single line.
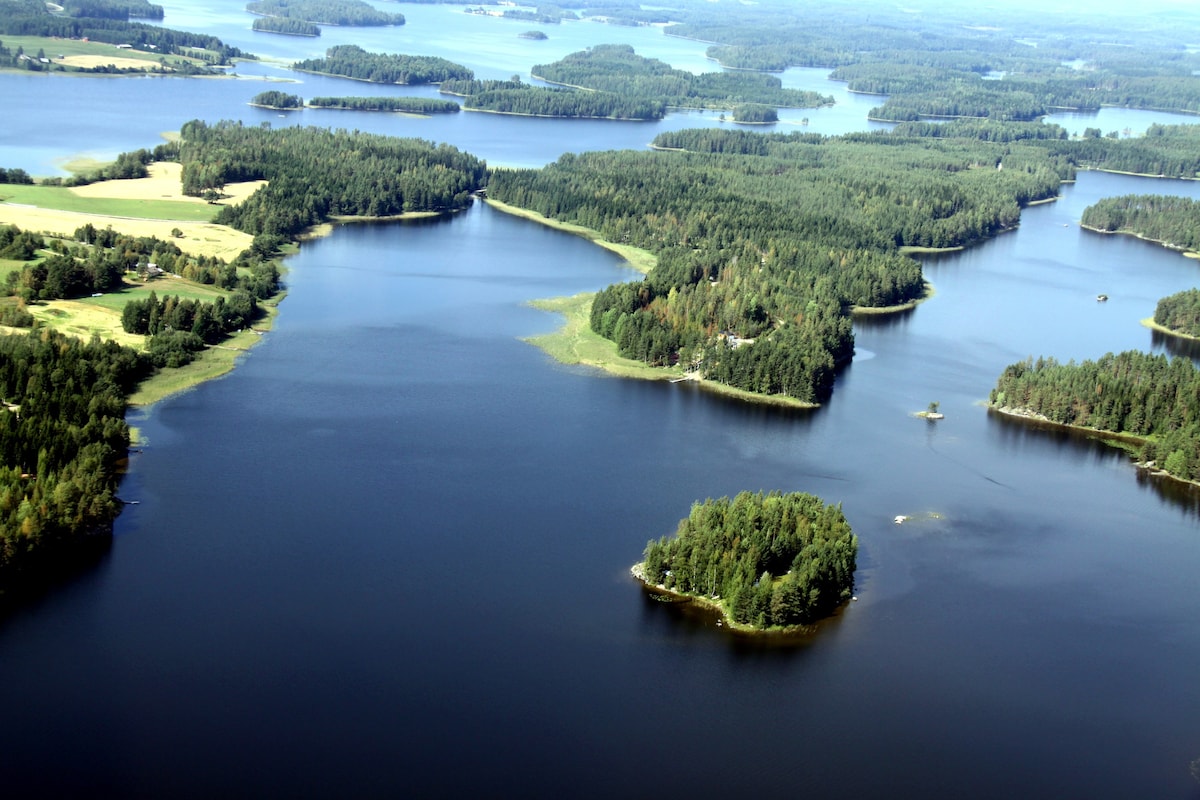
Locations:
{"points": [[388, 554]]}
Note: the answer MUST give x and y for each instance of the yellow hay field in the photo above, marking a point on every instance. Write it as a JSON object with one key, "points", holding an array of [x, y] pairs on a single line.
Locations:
{"points": [[200, 238], [164, 183], [87, 62]]}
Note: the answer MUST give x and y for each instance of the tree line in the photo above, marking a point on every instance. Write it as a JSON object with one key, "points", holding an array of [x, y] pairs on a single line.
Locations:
{"points": [[326, 12], [767, 560], [618, 69], [351, 61], [1138, 394], [1172, 221], [411, 105], [286, 25], [277, 99], [567, 103], [112, 9]]}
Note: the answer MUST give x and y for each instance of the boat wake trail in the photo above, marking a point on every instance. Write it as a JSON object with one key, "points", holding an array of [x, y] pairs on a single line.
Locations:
{"points": [[966, 467]]}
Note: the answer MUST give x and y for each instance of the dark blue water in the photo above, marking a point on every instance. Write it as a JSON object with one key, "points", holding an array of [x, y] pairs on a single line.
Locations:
{"points": [[389, 554]]}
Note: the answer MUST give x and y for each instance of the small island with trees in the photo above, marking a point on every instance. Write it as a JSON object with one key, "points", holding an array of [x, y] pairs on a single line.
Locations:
{"points": [[768, 562], [277, 100]]}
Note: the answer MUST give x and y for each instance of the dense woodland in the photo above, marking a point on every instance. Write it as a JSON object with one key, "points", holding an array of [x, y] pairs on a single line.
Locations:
{"points": [[326, 12], [1147, 396], [410, 105], [351, 61], [568, 103], [315, 174], [1172, 221], [277, 99], [285, 25], [62, 433], [32, 18], [618, 69], [112, 9], [1180, 312], [768, 560], [515, 97], [765, 242], [962, 62]]}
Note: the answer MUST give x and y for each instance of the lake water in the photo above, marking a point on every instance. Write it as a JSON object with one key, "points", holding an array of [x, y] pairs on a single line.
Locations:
{"points": [[389, 554]]}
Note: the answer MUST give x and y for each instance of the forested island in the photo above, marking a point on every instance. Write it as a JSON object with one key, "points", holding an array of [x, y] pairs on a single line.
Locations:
{"points": [[326, 12], [408, 105], [766, 242], [286, 25], [1146, 399], [765, 562], [351, 61], [275, 99]]}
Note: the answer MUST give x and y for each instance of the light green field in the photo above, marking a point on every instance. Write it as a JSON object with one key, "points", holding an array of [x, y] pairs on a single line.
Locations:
{"points": [[162, 287], [61, 198], [8, 265], [57, 48], [576, 343]]}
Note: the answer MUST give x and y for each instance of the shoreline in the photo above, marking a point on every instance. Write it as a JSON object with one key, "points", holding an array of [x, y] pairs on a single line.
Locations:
{"points": [[927, 293], [1124, 232], [1123, 441], [718, 608], [1149, 322]]}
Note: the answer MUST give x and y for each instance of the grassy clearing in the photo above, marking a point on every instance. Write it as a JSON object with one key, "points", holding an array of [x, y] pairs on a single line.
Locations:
{"points": [[162, 287], [641, 260], [83, 319], [576, 343], [1154, 326], [7, 265]]}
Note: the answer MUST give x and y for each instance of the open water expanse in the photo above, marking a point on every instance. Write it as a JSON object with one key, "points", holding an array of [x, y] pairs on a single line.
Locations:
{"points": [[388, 555]]}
